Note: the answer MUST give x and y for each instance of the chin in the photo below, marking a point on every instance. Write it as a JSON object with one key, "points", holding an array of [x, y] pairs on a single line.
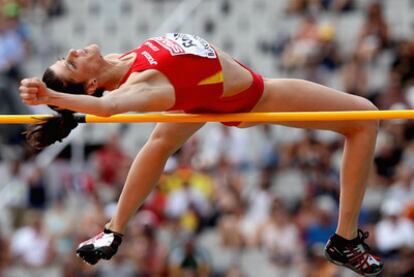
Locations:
{"points": [[94, 48]]}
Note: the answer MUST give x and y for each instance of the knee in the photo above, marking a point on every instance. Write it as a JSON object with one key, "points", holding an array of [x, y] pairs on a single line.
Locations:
{"points": [[366, 127], [162, 144], [366, 104], [370, 128], [371, 125]]}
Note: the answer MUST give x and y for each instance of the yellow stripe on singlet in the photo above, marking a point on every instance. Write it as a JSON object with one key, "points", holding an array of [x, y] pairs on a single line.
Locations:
{"points": [[213, 79]]}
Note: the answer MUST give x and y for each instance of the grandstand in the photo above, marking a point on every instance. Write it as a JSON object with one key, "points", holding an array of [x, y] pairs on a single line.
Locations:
{"points": [[262, 200]]}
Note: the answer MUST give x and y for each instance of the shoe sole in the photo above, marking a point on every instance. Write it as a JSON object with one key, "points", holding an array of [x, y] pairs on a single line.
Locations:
{"points": [[92, 255], [351, 268], [89, 255]]}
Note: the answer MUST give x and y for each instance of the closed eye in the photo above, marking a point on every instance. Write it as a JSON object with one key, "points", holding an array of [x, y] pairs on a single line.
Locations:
{"points": [[71, 64]]}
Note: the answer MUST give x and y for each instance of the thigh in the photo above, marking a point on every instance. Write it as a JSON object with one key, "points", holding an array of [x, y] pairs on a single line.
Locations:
{"points": [[293, 95]]}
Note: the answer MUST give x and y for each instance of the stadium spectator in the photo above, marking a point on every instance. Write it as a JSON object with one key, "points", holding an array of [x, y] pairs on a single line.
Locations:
{"points": [[318, 232], [145, 250], [355, 76], [60, 224], [317, 6], [15, 197], [156, 202], [403, 61], [394, 232], [303, 46], [230, 222], [374, 35], [53, 8], [280, 238], [122, 266], [13, 41], [37, 191], [258, 206], [188, 258], [31, 246], [328, 55], [402, 188], [111, 162]]}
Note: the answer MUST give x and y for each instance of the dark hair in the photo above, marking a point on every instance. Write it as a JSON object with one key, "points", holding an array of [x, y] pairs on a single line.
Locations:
{"points": [[56, 128]]}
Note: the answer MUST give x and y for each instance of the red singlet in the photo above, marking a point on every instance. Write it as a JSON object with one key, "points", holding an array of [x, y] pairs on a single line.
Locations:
{"points": [[193, 68]]}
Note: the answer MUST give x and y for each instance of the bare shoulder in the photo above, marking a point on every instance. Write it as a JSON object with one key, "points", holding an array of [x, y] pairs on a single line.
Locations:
{"points": [[158, 91]]}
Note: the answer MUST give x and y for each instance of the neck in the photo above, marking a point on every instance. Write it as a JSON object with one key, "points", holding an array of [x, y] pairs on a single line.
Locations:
{"points": [[113, 70]]}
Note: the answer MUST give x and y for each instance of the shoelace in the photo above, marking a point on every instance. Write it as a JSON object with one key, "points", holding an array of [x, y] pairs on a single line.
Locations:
{"points": [[94, 238], [362, 236]]}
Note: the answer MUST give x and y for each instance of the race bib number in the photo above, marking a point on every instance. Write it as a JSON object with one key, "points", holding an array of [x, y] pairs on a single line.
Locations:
{"points": [[184, 44]]}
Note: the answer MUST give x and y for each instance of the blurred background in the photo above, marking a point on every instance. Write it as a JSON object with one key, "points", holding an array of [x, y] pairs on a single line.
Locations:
{"points": [[256, 202]]}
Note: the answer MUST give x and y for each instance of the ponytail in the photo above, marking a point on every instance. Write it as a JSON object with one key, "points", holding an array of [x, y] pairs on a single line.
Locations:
{"points": [[50, 130], [56, 128]]}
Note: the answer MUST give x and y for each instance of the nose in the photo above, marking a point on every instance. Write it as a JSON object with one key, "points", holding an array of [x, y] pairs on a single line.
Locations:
{"points": [[71, 54]]}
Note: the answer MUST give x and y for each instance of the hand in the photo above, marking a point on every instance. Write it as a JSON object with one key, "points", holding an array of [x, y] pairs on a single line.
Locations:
{"points": [[34, 92]]}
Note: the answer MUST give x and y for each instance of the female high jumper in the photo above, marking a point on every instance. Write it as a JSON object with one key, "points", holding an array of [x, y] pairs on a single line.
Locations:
{"points": [[186, 73]]}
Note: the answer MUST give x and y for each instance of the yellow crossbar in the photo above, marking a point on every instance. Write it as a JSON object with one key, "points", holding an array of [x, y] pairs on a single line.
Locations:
{"points": [[245, 117]]}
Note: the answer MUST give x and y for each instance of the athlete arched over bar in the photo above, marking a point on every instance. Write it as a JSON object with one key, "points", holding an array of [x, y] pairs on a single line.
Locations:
{"points": [[185, 72]]}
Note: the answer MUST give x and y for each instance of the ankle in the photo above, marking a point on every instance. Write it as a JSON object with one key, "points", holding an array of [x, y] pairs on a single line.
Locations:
{"points": [[110, 227], [348, 235]]}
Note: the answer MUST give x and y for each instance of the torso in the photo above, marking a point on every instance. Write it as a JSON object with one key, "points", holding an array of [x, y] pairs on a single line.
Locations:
{"points": [[235, 78]]}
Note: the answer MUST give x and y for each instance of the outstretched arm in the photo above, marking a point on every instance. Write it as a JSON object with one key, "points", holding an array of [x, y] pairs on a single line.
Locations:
{"points": [[35, 92], [132, 97]]}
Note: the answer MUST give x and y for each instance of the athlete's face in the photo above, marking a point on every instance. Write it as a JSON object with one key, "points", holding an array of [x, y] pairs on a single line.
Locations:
{"points": [[79, 66]]}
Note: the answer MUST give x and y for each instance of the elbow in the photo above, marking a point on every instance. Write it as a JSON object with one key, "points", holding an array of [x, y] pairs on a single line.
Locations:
{"points": [[108, 108], [105, 113]]}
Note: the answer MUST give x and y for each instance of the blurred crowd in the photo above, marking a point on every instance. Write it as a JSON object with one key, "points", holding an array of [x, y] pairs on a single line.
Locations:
{"points": [[15, 48], [227, 204]]}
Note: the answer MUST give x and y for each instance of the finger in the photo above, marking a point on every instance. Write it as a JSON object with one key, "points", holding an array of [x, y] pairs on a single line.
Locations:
{"points": [[34, 83], [24, 82], [27, 96], [37, 80], [22, 88], [31, 82], [33, 90]]}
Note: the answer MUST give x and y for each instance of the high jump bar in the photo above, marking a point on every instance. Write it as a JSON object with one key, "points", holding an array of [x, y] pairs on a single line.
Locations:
{"points": [[229, 117]]}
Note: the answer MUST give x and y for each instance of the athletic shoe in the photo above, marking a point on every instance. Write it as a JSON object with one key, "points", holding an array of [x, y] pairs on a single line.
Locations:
{"points": [[354, 254], [102, 246]]}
